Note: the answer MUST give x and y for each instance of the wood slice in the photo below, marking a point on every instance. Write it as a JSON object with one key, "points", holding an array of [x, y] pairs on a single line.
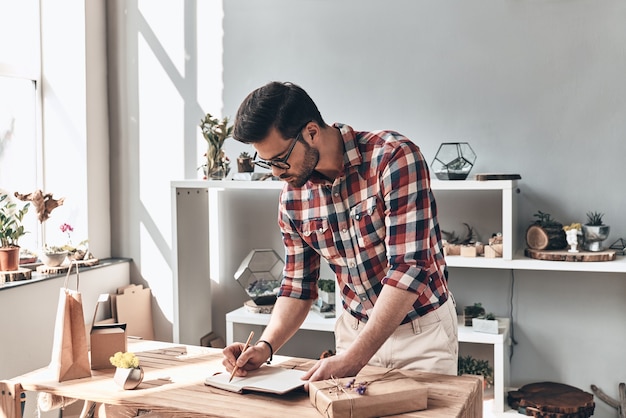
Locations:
{"points": [[546, 237], [15, 275], [564, 255], [63, 268], [553, 400]]}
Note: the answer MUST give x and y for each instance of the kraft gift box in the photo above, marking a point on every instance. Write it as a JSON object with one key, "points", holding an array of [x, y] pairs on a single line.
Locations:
{"points": [[386, 394], [106, 338]]}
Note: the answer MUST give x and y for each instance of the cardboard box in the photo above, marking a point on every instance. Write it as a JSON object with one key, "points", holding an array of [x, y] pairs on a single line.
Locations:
{"points": [[386, 394], [493, 250], [106, 339]]}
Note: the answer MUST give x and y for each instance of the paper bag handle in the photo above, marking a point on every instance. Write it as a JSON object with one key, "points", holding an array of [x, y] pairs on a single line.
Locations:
{"points": [[69, 271]]}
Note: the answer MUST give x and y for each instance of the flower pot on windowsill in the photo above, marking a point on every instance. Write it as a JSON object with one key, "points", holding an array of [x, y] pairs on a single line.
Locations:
{"points": [[53, 259], [9, 258]]}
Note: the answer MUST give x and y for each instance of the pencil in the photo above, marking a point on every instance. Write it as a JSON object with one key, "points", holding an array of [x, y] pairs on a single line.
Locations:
{"points": [[245, 347]]}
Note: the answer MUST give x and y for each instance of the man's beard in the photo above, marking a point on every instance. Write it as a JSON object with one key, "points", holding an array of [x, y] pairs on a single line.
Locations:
{"points": [[311, 158]]}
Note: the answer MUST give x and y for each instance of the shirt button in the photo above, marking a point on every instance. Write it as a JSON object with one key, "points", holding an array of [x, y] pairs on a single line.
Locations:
{"points": [[344, 230], [363, 298], [336, 194], [321, 229], [357, 217], [351, 264], [307, 233]]}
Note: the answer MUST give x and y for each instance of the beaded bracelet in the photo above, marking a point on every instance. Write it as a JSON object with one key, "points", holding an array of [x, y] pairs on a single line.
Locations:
{"points": [[269, 361]]}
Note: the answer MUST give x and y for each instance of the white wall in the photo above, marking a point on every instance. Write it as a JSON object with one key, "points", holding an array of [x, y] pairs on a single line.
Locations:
{"points": [[537, 88]]}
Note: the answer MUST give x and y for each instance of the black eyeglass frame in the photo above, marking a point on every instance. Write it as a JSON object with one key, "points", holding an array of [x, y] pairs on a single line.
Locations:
{"points": [[280, 163]]}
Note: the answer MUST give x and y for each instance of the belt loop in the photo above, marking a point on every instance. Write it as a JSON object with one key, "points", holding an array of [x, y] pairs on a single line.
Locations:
{"points": [[416, 326]]}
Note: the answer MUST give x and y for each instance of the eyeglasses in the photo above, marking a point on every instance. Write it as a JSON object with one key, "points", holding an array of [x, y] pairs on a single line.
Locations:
{"points": [[280, 163]]}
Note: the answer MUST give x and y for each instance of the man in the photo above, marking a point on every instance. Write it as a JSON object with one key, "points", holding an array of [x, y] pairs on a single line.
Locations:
{"points": [[361, 200]]}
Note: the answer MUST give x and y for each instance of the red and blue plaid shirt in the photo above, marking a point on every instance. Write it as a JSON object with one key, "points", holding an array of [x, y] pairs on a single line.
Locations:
{"points": [[375, 224]]}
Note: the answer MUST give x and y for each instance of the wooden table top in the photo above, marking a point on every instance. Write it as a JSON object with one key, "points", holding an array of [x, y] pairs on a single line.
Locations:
{"points": [[173, 385]]}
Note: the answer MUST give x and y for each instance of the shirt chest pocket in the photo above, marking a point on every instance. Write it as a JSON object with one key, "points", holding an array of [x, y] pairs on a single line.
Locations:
{"points": [[318, 234], [367, 222]]}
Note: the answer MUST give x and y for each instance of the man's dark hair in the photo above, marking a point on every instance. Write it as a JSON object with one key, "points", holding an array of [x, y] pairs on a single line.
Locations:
{"points": [[285, 106]]}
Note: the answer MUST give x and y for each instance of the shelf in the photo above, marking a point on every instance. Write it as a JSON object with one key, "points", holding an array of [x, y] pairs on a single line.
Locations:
{"points": [[520, 262], [277, 185]]}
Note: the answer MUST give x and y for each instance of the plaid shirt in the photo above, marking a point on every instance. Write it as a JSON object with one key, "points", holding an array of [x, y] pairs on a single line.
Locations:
{"points": [[375, 224]]}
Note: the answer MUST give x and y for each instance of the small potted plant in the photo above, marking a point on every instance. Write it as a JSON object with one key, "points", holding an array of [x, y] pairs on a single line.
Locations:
{"points": [[474, 366], [472, 311], [327, 291], [128, 373], [245, 163], [215, 132], [487, 323], [11, 229], [595, 231]]}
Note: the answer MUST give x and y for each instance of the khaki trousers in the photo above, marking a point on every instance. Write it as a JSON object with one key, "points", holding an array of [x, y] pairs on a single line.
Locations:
{"points": [[429, 343]]}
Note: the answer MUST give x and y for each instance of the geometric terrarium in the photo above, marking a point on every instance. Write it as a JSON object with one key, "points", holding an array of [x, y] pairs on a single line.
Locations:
{"points": [[260, 274], [453, 161]]}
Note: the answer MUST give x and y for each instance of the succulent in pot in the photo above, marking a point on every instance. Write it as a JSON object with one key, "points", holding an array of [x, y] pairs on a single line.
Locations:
{"points": [[595, 231]]}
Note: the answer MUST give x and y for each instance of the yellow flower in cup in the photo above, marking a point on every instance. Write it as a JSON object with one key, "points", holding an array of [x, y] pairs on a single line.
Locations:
{"points": [[126, 360]]}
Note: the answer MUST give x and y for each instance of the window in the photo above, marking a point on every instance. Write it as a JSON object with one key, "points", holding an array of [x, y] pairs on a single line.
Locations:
{"points": [[20, 164]]}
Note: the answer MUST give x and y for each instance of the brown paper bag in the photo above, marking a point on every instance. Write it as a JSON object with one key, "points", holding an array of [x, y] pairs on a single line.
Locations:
{"points": [[70, 355]]}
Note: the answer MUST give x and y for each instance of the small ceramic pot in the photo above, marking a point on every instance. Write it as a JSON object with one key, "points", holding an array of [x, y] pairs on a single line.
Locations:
{"points": [[53, 259], [128, 378]]}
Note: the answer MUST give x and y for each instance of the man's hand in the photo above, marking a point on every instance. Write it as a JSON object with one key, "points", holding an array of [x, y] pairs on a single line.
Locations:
{"points": [[335, 366], [251, 359]]}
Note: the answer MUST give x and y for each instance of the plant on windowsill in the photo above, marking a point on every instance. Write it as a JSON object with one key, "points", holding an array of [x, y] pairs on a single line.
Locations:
{"points": [[595, 231], [326, 291], [11, 229], [128, 373], [474, 366]]}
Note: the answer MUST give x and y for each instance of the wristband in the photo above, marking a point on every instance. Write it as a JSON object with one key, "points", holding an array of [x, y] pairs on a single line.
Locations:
{"points": [[269, 361]]}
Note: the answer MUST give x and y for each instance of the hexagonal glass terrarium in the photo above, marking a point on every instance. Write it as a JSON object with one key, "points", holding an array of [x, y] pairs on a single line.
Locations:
{"points": [[453, 161], [260, 274]]}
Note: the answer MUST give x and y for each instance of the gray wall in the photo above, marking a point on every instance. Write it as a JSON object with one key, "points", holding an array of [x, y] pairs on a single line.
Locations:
{"points": [[536, 88]]}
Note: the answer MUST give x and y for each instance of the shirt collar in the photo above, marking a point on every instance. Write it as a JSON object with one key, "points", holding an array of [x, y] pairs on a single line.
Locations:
{"points": [[352, 156]]}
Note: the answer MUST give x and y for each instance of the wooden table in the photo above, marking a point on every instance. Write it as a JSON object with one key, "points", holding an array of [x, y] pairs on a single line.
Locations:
{"points": [[173, 386]]}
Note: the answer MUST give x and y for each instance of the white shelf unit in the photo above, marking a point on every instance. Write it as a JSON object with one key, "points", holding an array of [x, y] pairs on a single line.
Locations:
{"points": [[511, 260]]}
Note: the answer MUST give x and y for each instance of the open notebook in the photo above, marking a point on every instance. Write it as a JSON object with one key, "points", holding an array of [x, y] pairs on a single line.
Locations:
{"points": [[265, 379]]}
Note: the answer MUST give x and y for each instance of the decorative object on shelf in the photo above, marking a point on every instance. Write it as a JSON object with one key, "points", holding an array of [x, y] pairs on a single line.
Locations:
{"points": [[474, 366], [620, 404], [546, 233], [245, 164], [128, 372], [496, 176], [472, 311], [565, 255], [325, 303], [572, 232], [619, 246], [495, 247], [11, 229], [452, 243], [550, 399], [215, 132], [487, 324], [453, 161], [260, 274], [595, 231]]}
